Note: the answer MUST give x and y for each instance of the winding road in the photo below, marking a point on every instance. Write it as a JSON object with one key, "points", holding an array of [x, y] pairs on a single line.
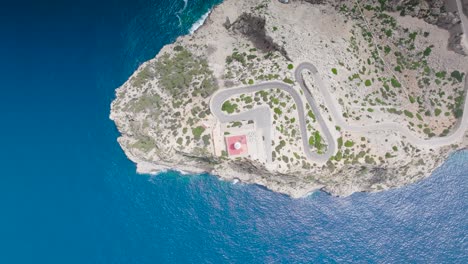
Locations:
{"points": [[262, 115]]}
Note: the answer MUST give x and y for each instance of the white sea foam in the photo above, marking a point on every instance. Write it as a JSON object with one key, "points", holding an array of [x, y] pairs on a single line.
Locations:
{"points": [[183, 172], [180, 12], [200, 22], [180, 21]]}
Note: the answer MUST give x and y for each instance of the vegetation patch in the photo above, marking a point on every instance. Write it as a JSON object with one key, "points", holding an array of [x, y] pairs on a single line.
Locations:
{"points": [[349, 143], [144, 143], [287, 80], [395, 83], [441, 74], [457, 75], [145, 102], [277, 111], [427, 51], [197, 132], [311, 115], [316, 141], [143, 76], [178, 72], [236, 56], [408, 114], [228, 107]]}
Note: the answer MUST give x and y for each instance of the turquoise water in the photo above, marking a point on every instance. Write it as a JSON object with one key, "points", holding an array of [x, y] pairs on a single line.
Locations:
{"points": [[69, 195]]}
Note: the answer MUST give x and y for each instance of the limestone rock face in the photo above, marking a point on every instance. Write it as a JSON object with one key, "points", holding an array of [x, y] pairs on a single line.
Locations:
{"points": [[253, 27], [465, 7], [431, 11]]}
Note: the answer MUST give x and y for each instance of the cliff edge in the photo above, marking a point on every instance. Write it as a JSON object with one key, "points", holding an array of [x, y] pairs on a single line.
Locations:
{"points": [[342, 96]]}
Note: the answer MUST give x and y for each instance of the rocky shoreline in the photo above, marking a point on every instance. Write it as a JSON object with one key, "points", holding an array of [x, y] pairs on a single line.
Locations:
{"points": [[162, 130]]}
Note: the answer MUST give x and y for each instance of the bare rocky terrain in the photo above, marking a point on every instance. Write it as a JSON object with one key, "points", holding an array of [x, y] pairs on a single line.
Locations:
{"points": [[395, 61]]}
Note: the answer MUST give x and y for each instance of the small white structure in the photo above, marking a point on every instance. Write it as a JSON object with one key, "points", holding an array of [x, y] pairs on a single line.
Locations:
{"points": [[237, 145]]}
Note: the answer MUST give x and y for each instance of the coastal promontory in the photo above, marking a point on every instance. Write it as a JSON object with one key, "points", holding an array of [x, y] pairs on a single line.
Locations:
{"points": [[296, 96]]}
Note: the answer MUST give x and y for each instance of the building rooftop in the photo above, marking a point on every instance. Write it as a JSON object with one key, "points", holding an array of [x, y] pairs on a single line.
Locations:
{"points": [[236, 145]]}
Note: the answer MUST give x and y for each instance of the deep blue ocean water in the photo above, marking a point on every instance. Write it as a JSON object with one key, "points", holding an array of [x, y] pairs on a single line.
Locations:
{"points": [[69, 195]]}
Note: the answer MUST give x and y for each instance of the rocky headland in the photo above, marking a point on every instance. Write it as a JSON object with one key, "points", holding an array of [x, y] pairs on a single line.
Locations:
{"points": [[387, 81]]}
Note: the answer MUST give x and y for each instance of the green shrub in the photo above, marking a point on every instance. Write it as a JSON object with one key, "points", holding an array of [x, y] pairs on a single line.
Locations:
{"points": [[387, 50], [367, 83], [395, 83], [311, 115], [441, 74], [178, 48], [408, 114], [334, 71], [338, 156], [318, 141], [179, 141], [369, 160], [418, 116], [427, 51], [349, 143], [236, 124], [290, 66], [228, 107], [206, 140], [236, 56], [388, 32], [197, 131], [394, 111], [457, 75], [458, 113]]}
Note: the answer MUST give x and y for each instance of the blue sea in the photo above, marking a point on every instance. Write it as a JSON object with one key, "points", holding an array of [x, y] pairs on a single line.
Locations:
{"points": [[68, 194]]}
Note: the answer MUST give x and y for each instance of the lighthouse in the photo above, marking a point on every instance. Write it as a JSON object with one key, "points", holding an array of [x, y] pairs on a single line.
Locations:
{"points": [[237, 145]]}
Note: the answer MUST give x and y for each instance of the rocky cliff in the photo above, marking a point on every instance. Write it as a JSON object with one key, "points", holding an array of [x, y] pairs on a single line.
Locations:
{"points": [[382, 61]]}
